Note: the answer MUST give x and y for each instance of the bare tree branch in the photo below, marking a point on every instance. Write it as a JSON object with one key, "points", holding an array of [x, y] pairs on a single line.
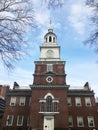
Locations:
{"points": [[93, 38], [15, 17]]}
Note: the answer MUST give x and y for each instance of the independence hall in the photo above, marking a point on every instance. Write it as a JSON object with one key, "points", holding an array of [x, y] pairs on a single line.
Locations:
{"points": [[50, 103]]}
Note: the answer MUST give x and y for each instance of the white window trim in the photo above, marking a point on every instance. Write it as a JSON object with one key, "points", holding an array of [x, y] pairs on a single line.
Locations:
{"points": [[11, 120], [21, 121], [80, 119], [76, 102], [49, 65], [91, 118], [87, 102], [13, 101], [22, 101], [69, 102], [71, 121]]}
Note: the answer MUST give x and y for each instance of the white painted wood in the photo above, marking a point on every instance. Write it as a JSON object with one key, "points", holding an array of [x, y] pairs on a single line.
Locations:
{"points": [[48, 123]]}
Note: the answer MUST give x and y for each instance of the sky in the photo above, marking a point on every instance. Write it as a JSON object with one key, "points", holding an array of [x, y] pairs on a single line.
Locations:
{"points": [[72, 26]]}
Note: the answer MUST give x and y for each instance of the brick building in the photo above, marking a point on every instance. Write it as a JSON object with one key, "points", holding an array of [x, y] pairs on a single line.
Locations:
{"points": [[3, 92], [50, 104]]}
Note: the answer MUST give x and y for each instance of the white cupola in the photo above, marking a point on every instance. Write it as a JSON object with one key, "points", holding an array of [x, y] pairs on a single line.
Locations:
{"points": [[50, 50], [50, 37]]}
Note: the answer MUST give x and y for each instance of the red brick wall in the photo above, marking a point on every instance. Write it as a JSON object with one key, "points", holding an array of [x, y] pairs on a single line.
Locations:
{"points": [[16, 110], [59, 76], [83, 111], [60, 120]]}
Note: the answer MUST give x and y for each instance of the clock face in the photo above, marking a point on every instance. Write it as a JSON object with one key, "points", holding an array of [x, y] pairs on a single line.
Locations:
{"points": [[49, 54], [49, 79]]}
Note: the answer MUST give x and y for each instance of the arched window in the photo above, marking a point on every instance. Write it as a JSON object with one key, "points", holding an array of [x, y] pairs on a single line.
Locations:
{"points": [[46, 39], [50, 39], [49, 104], [53, 39]]}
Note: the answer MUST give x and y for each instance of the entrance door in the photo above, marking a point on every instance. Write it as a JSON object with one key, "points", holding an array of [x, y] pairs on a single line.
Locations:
{"points": [[48, 123]]}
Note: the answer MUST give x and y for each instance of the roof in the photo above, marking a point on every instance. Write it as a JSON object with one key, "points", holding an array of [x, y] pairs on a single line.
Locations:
{"points": [[19, 92]]}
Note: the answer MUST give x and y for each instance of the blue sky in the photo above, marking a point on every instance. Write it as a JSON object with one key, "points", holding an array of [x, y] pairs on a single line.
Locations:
{"points": [[72, 27]]}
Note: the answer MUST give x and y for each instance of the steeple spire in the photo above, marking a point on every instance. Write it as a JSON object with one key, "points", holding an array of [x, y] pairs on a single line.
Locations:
{"points": [[50, 23], [50, 28]]}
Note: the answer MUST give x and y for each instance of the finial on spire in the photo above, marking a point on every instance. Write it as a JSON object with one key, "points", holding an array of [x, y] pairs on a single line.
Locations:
{"points": [[50, 22], [50, 28]]}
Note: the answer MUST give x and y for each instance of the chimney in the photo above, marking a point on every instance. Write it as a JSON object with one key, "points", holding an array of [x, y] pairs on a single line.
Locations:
{"points": [[3, 91]]}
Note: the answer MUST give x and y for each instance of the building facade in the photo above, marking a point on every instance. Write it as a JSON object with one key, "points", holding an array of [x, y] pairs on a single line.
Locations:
{"points": [[50, 104], [3, 92]]}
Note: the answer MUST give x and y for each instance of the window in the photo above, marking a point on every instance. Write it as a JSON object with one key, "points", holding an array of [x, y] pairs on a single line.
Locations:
{"points": [[20, 120], [87, 101], [22, 101], [80, 122], [91, 121], [55, 106], [50, 39], [9, 121], [42, 107], [13, 101], [49, 67], [46, 39], [69, 101], [78, 101], [53, 39], [70, 121], [49, 104]]}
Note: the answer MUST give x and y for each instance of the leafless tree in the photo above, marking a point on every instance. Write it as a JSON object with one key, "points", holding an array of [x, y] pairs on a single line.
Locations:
{"points": [[16, 16], [93, 38]]}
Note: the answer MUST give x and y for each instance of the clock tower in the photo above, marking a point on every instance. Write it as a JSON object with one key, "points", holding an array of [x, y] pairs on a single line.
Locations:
{"points": [[48, 109]]}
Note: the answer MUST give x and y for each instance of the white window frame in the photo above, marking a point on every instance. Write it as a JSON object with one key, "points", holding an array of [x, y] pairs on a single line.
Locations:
{"points": [[9, 117], [69, 102], [87, 101], [22, 101], [78, 101], [49, 67], [91, 120], [70, 121], [20, 123], [80, 122], [13, 101]]}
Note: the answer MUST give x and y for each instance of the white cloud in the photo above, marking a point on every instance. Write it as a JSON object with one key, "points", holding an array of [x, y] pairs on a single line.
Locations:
{"points": [[21, 76], [78, 18], [79, 74]]}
